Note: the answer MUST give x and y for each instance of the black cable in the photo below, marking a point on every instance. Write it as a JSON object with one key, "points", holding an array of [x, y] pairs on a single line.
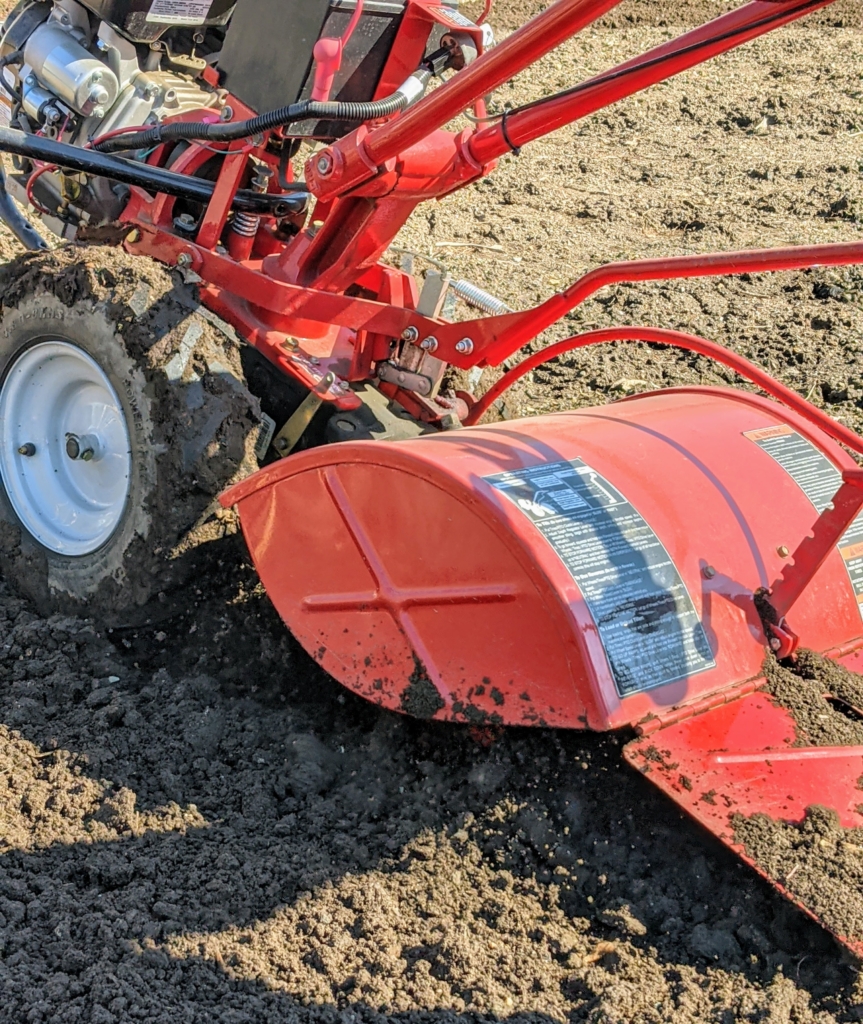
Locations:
{"points": [[153, 179], [198, 130], [515, 149], [703, 44]]}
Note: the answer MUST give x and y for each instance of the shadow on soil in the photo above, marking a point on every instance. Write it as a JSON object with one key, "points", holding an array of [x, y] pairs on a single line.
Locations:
{"points": [[343, 859]]}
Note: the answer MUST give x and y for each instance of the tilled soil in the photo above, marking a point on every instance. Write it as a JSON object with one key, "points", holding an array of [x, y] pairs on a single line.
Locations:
{"points": [[197, 825]]}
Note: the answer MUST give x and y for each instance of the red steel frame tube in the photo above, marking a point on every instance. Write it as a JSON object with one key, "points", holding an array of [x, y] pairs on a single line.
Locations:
{"points": [[718, 36], [496, 338], [676, 339], [538, 37]]}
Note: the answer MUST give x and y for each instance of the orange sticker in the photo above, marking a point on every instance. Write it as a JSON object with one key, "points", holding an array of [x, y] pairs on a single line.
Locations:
{"points": [[764, 432]]}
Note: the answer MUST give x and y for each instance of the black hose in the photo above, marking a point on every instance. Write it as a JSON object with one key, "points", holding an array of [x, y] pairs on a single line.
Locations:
{"points": [[153, 179], [199, 130], [17, 223]]}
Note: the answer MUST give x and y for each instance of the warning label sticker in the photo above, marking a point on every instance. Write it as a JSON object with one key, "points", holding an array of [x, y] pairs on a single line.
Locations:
{"points": [[179, 12], [819, 480], [646, 620]]}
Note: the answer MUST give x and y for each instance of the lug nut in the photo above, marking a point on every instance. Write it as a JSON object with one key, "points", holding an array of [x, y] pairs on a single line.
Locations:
{"points": [[464, 347], [429, 344], [410, 335], [28, 450]]}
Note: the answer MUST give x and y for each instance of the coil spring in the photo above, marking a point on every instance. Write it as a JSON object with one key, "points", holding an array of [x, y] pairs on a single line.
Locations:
{"points": [[245, 224], [479, 299]]}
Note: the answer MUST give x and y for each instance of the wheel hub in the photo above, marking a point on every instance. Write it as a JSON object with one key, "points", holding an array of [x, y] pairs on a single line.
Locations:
{"points": [[65, 452]]}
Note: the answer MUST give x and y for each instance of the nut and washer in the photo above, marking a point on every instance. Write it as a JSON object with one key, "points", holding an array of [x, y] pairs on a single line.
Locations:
{"points": [[429, 344], [325, 164], [185, 260], [410, 335], [464, 347]]}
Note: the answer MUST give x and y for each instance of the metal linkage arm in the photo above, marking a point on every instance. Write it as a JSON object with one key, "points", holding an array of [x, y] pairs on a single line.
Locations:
{"points": [[811, 552]]}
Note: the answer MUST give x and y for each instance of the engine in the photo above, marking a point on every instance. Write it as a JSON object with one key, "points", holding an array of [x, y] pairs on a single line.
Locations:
{"points": [[74, 71], [79, 70]]}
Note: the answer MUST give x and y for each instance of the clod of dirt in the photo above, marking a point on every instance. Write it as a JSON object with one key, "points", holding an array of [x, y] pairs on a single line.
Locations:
{"points": [[818, 861], [806, 688], [420, 698]]}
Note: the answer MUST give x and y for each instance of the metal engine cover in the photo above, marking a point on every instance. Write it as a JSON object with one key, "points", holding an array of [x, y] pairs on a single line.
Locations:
{"points": [[589, 569]]}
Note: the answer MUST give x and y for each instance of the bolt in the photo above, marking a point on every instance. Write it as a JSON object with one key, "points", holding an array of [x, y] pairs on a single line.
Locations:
{"points": [[281, 443], [28, 450], [464, 347], [184, 260], [98, 111], [96, 76], [30, 80], [775, 643], [329, 380], [133, 236], [410, 335], [325, 164], [185, 222], [429, 344], [782, 551], [87, 455], [292, 344], [227, 113], [709, 571]]}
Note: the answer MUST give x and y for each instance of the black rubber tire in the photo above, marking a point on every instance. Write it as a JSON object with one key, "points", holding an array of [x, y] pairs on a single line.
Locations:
{"points": [[192, 421]]}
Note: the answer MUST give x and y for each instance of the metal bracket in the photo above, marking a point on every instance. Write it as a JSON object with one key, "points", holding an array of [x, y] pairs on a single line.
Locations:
{"points": [[289, 436], [774, 604]]}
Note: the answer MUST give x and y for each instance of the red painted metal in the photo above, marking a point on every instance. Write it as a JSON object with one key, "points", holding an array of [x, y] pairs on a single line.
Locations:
{"points": [[690, 343], [812, 550], [703, 43], [334, 534], [497, 338], [740, 759]]}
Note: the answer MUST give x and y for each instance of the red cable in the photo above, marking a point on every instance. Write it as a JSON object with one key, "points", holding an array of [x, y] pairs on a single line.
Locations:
{"points": [[676, 339], [31, 181]]}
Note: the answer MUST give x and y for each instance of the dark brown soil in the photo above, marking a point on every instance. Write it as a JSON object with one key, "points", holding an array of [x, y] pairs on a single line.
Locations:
{"points": [[805, 688], [197, 825], [820, 862]]}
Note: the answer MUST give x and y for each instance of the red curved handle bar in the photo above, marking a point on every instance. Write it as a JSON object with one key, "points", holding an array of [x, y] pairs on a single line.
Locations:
{"points": [[676, 339]]}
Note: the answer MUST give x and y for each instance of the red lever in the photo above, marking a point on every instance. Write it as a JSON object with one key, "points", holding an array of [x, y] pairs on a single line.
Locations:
{"points": [[328, 58]]}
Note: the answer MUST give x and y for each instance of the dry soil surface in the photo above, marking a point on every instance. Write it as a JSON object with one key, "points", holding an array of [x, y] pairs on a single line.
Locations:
{"points": [[198, 825]]}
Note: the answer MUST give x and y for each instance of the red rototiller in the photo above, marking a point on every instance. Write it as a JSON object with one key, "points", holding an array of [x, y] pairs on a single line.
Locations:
{"points": [[622, 566]]}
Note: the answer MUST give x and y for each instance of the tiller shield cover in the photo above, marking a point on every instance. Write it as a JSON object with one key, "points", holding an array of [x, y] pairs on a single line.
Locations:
{"points": [[592, 569]]}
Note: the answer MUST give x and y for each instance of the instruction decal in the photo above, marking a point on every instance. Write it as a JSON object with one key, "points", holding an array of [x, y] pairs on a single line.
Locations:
{"points": [[819, 480], [646, 620], [179, 12]]}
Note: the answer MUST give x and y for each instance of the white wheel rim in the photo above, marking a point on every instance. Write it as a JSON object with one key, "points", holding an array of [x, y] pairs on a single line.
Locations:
{"points": [[55, 400]]}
